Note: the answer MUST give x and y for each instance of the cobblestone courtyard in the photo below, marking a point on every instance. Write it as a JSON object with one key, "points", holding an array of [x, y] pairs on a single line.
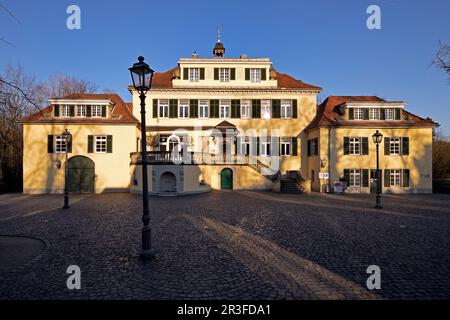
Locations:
{"points": [[231, 245]]}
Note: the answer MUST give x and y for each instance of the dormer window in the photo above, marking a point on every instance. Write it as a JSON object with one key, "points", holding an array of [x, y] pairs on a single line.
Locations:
{"points": [[194, 74], [96, 111], [389, 114], [255, 75], [65, 111], [374, 114], [358, 114], [81, 111]]}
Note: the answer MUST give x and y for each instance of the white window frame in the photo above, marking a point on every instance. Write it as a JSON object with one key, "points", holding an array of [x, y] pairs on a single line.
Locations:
{"points": [[96, 111], [358, 114], [395, 177], [255, 75], [286, 148], [183, 108], [246, 109], [354, 178], [224, 74], [286, 109], [224, 109], [65, 111], [374, 114], [389, 114], [354, 146], [395, 146], [245, 141], [163, 108], [203, 109], [80, 111], [59, 144], [265, 109], [264, 147], [194, 74], [100, 144]]}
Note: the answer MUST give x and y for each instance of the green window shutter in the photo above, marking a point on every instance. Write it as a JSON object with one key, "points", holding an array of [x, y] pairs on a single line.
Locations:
{"points": [[257, 146], [56, 110], [216, 73], [247, 73], [365, 145], [405, 178], [405, 146], [90, 144], [214, 108], [256, 108], [347, 176], [237, 146], [387, 178], [276, 108], [109, 144], [346, 145], [173, 108], [387, 150], [275, 146], [193, 108], [254, 146], [397, 114], [202, 73], [69, 146], [235, 108], [72, 111], [382, 114], [185, 73], [88, 111], [351, 115], [155, 108], [50, 145], [263, 74], [366, 114], [294, 108], [365, 178], [233, 74], [316, 142], [294, 146], [309, 148], [104, 111]]}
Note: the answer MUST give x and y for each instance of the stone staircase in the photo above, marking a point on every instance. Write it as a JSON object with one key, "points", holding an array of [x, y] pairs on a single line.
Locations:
{"points": [[292, 182]]}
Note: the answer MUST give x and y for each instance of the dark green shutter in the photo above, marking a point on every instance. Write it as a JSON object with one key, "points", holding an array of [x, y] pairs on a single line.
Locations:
{"points": [[109, 144], [275, 146], [235, 108], [276, 108], [69, 145], [347, 176], [256, 108], [56, 110], [254, 146], [387, 178], [316, 150], [237, 146], [263, 74], [351, 114], [193, 108], [233, 74], [387, 149], [366, 114], [294, 146], [173, 108], [383, 114], [294, 108], [258, 142], [247, 73], [185, 73], [397, 114], [88, 111], [155, 108], [309, 148], [104, 111], [202, 73], [216, 73], [405, 146], [405, 178], [72, 111], [365, 145], [90, 144], [214, 108], [365, 178], [50, 145], [346, 145]]}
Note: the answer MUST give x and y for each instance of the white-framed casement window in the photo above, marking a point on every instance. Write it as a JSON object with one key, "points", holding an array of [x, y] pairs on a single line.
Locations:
{"points": [[389, 114], [394, 146], [224, 74], [163, 108], [203, 109], [265, 109], [285, 146], [255, 75], [355, 146], [355, 178], [60, 144], [374, 114], [245, 145], [100, 144], [286, 110], [96, 111], [264, 149], [246, 108], [80, 111], [183, 109], [65, 111], [358, 114], [224, 108], [194, 74], [395, 176]]}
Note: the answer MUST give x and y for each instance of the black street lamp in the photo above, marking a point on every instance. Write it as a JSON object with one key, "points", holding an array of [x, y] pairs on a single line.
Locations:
{"points": [[67, 141], [377, 138], [142, 75]]}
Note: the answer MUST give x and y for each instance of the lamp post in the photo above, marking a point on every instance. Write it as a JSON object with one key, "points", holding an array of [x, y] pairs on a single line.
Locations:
{"points": [[142, 75], [377, 138], [67, 141]]}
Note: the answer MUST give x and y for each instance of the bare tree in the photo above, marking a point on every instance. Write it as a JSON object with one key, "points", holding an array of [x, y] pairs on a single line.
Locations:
{"points": [[441, 156], [442, 58], [61, 85]]}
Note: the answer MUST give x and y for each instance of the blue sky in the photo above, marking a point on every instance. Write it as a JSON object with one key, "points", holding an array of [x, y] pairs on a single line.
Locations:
{"points": [[325, 43]]}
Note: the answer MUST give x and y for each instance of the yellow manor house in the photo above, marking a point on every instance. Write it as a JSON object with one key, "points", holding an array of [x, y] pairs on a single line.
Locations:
{"points": [[226, 123]]}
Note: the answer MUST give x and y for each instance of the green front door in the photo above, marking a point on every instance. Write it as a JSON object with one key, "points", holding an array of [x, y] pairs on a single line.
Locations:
{"points": [[80, 175], [226, 179]]}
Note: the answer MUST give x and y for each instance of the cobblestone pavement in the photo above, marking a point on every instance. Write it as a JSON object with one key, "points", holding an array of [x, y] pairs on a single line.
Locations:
{"points": [[232, 245]]}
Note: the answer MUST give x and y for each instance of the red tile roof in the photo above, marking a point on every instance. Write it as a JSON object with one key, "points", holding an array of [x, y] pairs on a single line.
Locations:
{"points": [[121, 113], [330, 113]]}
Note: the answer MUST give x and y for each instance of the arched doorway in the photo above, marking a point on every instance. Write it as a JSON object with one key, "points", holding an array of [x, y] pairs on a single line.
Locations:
{"points": [[226, 179], [80, 175], [167, 182]]}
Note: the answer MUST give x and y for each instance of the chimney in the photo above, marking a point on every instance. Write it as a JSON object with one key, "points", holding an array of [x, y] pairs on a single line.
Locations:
{"points": [[195, 55], [243, 56]]}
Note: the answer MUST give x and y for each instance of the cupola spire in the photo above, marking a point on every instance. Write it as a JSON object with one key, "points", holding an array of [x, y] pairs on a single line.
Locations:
{"points": [[219, 49]]}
